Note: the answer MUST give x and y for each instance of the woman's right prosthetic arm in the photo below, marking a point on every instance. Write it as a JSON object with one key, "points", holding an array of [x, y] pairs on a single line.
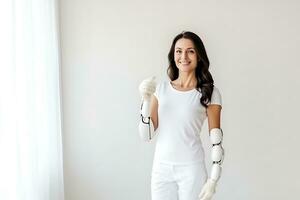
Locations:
{"points": [[146, 128]]}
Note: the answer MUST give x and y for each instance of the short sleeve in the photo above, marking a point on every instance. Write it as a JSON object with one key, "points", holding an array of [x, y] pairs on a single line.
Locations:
{"points": [[216, 97]]}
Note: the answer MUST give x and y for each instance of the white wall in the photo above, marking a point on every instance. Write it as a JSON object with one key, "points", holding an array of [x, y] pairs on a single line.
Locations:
{"points": [[108, 47]]}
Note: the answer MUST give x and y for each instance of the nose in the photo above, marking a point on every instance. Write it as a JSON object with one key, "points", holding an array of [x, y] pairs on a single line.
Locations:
{"points": [[184, 55]]}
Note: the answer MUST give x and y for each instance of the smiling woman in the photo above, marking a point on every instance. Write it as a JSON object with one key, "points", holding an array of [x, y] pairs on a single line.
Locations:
{"points": [[175, 111]]}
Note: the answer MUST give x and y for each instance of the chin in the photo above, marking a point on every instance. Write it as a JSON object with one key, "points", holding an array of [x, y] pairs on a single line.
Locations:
{"points": [[186, 70]]}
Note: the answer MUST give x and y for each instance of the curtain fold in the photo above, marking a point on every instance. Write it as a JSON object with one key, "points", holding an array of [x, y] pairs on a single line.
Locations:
{"points": [[31, 154]]}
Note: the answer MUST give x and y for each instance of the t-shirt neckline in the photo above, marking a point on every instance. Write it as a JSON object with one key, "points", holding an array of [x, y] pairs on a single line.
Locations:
{"points": [[179, 91]]}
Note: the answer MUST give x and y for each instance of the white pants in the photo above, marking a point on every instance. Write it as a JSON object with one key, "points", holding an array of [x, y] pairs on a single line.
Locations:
{"points": [[177, 182]]}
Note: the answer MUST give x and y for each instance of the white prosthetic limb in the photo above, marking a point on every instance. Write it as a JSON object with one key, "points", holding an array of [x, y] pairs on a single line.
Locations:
{"points": [[217, 156], [146, 128]]}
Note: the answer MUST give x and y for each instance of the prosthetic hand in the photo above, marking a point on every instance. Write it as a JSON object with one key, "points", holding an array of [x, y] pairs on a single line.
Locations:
{"points": [[146, 128], [217, 156]]}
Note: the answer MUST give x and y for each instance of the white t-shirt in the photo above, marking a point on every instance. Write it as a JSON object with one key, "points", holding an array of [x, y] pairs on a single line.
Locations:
{"points": [[180, 118]]}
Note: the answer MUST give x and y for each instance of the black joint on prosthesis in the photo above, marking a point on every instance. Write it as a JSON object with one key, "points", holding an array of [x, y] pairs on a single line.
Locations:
{"points": [[145, 118], [217, 162], [217, 144]]}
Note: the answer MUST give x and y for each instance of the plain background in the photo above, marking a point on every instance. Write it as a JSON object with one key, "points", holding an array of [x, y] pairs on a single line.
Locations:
{"points": [[109, 47]]}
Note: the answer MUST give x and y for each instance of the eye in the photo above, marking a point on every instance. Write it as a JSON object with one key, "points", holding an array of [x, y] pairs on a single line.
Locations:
{"points": [[192, 51], [178, 51]]}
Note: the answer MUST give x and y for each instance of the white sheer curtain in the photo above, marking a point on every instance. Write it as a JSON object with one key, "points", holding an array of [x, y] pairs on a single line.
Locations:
{"points": [[31, 166]]}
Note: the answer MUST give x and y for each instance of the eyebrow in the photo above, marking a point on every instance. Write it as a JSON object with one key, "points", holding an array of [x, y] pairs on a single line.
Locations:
{"points": [[187, 48]]}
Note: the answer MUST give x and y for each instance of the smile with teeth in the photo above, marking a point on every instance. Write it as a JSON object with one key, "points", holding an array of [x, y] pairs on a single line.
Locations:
{"points": [[185, 63]]}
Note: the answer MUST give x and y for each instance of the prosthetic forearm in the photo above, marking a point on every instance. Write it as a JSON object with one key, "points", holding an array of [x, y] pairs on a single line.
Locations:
{"points": [[146, 128], [217, 153], [217, 156]]}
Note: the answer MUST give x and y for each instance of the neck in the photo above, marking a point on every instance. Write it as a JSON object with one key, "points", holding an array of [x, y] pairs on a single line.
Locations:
{"points": [[187, 80]]}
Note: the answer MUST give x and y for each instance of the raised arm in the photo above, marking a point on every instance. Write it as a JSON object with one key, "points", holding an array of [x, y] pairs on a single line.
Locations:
{"points": [[149, 106]]}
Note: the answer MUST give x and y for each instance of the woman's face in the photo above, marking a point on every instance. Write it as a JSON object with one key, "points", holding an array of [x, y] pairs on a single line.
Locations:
{"points": [[185, 55]]}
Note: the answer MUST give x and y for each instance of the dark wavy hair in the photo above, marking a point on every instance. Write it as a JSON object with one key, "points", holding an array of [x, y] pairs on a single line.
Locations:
{"points": [[205, 82]]}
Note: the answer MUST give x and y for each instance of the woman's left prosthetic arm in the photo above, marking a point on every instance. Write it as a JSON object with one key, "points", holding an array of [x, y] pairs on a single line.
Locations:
{"points": [[217, 156]]}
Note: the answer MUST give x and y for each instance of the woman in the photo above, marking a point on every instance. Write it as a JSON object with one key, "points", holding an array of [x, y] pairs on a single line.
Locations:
{"points": [[175, 111]]}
